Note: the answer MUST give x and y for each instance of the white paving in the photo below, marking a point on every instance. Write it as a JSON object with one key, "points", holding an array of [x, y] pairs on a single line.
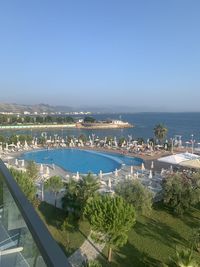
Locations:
{"points": [[89, 250]]}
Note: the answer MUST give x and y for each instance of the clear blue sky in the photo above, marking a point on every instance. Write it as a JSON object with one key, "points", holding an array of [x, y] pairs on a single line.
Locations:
{"points": [[101, 52]]}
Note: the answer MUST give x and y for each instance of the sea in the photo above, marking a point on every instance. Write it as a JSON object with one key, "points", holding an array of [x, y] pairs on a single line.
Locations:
{"points": [[181, 124]]}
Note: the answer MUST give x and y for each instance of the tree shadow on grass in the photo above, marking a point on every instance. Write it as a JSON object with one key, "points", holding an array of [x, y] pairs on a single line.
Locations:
{"points": [[159, 231], [129, 256], [192, 218], [66, 249], [160, 206], [52, 216]]}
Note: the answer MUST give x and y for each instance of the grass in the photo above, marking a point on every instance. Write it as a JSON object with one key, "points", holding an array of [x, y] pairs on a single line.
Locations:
{"points": [[151, 242], [70, 239], [153, 239]]}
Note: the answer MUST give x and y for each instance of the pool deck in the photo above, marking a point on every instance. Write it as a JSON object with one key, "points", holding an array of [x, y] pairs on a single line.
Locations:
{"points": [[107, 181]]}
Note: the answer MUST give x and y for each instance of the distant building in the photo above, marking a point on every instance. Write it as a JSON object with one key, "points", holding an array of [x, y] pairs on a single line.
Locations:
{"points": [[27, 113], [119, 122]]}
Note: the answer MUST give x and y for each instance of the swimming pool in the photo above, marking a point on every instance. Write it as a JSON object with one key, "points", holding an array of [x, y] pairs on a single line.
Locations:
{"points": [[83, 161]]}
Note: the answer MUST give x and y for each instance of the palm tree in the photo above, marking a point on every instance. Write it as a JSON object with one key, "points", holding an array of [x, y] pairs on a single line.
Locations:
{"points": [[54, 184], [195, 239], [78, 192], [160, 132], [184, 258]]}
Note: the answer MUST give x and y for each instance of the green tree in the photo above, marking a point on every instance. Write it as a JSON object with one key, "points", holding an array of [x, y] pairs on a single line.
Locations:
{"points": [[41, 140], [180, 192], [78, 192], [39, 119], [22, 138], [137, 195], [54, 184], [26, 184], [27, 119], [32, 170], [28, 138], [68, 119], [48, 119], [140, 141], [111, 218], [195, 239], [83, 138], [89, 119], [109, 139], [121, 141], [2, 139], [160, 132], [13, 139]]}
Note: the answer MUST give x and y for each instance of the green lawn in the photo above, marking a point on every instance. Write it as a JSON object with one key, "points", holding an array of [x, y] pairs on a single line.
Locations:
{"points": [[151, 241], [69, 240]]}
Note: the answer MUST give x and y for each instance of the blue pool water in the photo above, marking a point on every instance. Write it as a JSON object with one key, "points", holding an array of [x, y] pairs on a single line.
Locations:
{"points": [[83, 161]]}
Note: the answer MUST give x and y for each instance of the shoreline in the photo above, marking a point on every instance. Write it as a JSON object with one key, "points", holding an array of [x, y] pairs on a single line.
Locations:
{"points": [[68, 126]]}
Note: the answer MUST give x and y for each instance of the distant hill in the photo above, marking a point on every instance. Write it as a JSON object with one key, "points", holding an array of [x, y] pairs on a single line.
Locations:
{"points": [[40, 108]]}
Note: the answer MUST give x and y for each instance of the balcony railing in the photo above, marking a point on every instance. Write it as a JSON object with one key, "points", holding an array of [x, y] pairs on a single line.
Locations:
{"points": [[24, 239]]}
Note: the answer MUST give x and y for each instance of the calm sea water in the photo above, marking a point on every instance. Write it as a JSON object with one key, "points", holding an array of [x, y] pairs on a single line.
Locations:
{"points": [[183, 124]]}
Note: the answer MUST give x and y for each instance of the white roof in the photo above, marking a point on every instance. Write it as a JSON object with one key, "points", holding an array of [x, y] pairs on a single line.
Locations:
{"points": [[178, 158], [194, 163]]}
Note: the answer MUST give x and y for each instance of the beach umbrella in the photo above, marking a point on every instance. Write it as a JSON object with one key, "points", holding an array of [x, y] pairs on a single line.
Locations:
{"points": [[47, 170], [42, 191], [171, 168], [77, 176], [100, 174], [18, 145], [11, 145], [131, 169], [41, 169], [137, 175], [116, 173], [152, 165], [109, 183], [25, 144], [150, 174], [142, 167], [8, 157], [22, 163], [162, 171], [6, 148], [16, 162]]}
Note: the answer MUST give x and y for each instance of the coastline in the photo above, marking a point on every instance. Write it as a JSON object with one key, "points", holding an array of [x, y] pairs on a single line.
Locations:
{"points": [[61, 126]]}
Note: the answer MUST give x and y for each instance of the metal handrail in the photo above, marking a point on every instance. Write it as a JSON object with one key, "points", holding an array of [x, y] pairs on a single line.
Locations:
{"points": [[49, 249]]}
